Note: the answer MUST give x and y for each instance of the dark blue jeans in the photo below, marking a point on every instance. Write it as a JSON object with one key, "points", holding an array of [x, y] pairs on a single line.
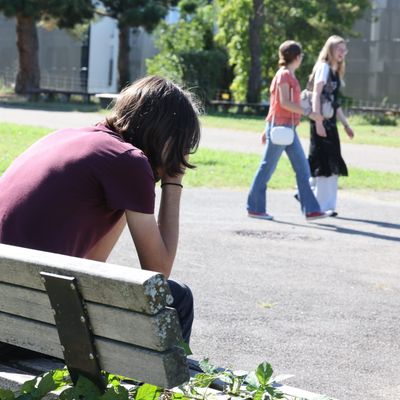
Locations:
{"points": [[183, 304]]}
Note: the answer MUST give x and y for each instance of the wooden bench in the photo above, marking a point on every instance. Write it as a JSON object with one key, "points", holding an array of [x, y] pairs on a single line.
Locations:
{"points": [[65, 95], [225, 106], [106, 98], [93, 315]]}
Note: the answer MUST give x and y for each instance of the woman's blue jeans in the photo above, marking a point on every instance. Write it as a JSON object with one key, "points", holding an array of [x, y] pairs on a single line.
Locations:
{"points": [[256, 201]]}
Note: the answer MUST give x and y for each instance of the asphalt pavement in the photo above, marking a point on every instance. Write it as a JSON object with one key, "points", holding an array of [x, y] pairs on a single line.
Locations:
{"points": [[317, 300]]}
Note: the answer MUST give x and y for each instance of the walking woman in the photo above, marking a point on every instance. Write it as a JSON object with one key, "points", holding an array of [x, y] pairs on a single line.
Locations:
{"points": [[284, 110], [325, 158]]}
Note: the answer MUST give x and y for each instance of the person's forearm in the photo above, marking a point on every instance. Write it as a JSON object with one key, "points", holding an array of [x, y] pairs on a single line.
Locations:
{"points": [[168, 219], [316, 103], [292, 107], [342, 118]]}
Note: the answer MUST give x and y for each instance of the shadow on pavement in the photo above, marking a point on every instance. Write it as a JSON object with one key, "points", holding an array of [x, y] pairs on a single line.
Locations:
{"points": [[367, 221], [350, 231]]}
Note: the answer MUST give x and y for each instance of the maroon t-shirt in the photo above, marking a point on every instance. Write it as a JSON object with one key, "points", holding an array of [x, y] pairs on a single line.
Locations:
{"points": [[68, 190]]}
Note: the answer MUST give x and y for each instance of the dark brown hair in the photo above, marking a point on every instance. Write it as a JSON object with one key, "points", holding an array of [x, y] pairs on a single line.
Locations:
{"points": [[161, 119], [288, 51]]}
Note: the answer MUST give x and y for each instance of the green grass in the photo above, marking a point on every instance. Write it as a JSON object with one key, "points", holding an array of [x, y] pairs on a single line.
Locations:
{"points": [[365, 133], [14, 139], [215, 168], [74, 105]]}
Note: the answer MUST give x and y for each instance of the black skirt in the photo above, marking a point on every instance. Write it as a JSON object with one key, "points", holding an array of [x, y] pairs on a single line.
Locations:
{"points": [[325, 156]]}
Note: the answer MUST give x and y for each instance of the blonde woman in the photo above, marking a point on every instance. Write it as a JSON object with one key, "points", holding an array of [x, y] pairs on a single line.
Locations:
{"points": [[325, 158]]}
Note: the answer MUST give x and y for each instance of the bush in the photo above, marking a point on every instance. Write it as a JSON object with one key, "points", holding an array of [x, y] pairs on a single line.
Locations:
{"points": [[381, 119]]}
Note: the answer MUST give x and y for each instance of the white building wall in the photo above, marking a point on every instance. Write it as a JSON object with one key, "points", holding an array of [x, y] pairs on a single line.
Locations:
{"points": [[103, 56]]}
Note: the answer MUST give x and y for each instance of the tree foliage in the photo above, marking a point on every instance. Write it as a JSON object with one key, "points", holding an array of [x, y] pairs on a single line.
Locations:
{"points": [[310, 22], [67, 13], [188, 53]]}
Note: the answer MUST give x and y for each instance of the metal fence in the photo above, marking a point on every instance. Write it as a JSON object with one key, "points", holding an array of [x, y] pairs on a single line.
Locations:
{"points": [[74, 82]]}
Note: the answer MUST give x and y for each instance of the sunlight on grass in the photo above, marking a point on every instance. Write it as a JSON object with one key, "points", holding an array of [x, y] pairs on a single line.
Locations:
{"points": [[14, 139], [218, 169]]}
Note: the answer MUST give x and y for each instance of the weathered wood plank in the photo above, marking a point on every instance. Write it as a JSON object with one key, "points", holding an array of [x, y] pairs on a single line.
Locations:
{"points": [[158, 332], [166, 369], [123, 287]]}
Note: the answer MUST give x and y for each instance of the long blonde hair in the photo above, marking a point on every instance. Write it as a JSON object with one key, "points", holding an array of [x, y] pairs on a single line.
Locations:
{"points": [[326, 54]]}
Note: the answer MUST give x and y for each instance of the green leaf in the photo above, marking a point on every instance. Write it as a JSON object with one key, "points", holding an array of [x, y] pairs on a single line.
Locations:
{"points": [[264, 372], [148, 392], [226, 377], [84, 389], [6, 394], [113, 380], [185, 347], [28, 386], [68, 394], [206, 367], [203, 380], [115, 393], [258, 395], [252, 382], [47, 384]]}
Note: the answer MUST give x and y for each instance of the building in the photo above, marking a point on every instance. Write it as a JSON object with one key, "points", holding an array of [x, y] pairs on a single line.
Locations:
{"points": [[84, 64], [373, 62]]}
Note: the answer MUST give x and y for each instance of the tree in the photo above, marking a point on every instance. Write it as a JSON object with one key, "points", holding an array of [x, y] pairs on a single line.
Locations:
{"points": [[188, 53], [66, 13], [310, 22], [256, 23], [133, 14]]}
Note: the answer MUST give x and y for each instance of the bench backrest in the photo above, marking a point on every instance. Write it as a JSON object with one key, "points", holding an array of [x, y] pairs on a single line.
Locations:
{"points": [[135, 332]]}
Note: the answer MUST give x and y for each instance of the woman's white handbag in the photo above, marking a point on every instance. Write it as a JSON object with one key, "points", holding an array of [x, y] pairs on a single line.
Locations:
{"points": [[282, 135]]}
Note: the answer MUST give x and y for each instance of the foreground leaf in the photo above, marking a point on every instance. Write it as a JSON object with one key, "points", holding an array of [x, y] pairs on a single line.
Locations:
{"points": [[6, 394], [264, 372]]}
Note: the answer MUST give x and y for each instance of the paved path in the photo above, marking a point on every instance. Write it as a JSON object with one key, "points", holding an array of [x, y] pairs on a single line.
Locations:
{"points": [[364, 156], [317, 300]]}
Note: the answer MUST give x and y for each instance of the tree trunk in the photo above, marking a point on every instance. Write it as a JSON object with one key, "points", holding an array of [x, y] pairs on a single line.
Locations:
{"points": [[255, 30], [28, 77], [123, 57]]}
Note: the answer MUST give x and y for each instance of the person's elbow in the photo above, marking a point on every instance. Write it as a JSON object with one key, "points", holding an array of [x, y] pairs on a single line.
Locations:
{"points": [[286, 105], [162, 265]]}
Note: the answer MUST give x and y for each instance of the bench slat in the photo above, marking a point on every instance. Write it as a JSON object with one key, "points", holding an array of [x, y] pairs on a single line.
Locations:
{"points": [[123, 287], [157, 332], [166, 369]]}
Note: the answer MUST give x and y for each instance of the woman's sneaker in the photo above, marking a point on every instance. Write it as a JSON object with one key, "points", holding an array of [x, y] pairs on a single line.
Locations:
{"points": [[252, 214], [311, 216]]}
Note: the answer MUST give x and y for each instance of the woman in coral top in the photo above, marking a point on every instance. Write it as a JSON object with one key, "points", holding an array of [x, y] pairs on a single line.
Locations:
{"points": [[284, 110]]}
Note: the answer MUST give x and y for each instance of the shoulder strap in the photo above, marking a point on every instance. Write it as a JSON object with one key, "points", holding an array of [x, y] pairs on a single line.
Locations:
{"points": [[292, 114]]}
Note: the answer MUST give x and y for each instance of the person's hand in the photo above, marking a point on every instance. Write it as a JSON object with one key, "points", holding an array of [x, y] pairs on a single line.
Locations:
{"points": [[174, 179], [263, 138], [320, 129], [316, 117], [349, 131]]}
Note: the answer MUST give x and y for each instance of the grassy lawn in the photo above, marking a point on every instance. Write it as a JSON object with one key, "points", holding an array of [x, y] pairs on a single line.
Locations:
{"points": [[365, 132], [14, 139], [74, 105], [216, 168]]}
